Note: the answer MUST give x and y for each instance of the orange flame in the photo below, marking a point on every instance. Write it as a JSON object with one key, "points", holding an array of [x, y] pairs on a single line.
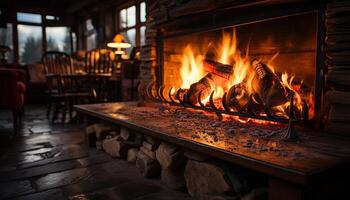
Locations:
{"points": [[192, 71]]}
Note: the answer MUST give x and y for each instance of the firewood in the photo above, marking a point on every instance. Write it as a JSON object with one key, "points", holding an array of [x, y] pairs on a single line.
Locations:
{"points": [[218, 75], [267, 86], [218, 69], [204, 85]]}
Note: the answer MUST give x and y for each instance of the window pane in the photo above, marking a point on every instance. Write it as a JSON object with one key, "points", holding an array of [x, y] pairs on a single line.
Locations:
{"points": [[29, 43], [89, 25], [91, 41], [143, 12], [28, 17], [142, 35], [50, 17], [6, 40], [58, 39], [131, 36], [74, 38], [131, 16], [122, 18]]}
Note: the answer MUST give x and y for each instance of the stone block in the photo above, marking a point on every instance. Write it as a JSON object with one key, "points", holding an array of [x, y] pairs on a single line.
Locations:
{"points": [[152, 141], [169, 156], [126, 134], [132, 155], [115, 147], [205, 179], [102, 130], [148, 167], [150, 153], [149, 146]]}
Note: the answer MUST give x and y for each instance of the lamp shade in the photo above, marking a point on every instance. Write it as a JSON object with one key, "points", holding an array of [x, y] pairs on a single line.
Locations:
{"points": [[118, 42]]}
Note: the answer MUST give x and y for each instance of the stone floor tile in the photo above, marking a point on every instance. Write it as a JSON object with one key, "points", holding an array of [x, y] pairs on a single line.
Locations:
{"points": [[60, 179], [136, 189], [15, 188], [37, 171], [106, 194], [54, 194], [91, 186], [165, 195], [96, 158]]}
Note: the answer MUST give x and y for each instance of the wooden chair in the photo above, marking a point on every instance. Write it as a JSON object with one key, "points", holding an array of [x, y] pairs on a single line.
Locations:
{"points": [[63, 91], [100, 61]]}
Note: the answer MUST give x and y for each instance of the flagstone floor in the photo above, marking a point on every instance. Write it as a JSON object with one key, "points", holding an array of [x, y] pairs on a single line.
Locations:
{"points": [[53, 162]]}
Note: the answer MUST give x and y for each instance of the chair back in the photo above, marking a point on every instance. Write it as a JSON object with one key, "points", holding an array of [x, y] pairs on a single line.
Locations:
{"points": [[100, 61], [57, 63]]}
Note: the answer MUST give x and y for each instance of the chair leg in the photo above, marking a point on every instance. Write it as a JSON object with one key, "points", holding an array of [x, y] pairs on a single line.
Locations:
{"points": [[64, 110], [49, 104], [15, 121], [55, 112]]}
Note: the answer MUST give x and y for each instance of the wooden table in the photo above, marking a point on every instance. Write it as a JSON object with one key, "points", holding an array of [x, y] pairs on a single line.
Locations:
{"points": [[95, 82], [296, 170]]}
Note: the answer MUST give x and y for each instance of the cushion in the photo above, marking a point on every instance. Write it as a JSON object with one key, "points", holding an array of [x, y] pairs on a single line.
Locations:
{"points": [[21, 87]]}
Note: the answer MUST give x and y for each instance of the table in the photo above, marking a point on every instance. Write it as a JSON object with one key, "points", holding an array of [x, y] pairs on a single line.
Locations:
{"points": [[97, 83]]}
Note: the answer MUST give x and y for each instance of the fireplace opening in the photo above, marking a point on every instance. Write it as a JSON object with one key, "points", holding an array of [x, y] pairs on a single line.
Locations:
{"points": [[255, 66]]}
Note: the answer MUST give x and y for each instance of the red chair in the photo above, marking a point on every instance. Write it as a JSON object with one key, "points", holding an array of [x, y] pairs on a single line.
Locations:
{"points": [[12, 90]]}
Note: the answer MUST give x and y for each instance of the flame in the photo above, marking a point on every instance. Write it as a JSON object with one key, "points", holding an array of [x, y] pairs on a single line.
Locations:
{"points": [[191, 68], [192, 71]]}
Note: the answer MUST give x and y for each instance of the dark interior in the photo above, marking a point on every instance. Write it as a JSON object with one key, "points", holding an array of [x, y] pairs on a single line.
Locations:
{"points": [[174, 99]]}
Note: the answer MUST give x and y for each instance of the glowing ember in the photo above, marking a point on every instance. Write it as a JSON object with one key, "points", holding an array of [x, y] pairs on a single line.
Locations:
{"points": [[250, 78]]}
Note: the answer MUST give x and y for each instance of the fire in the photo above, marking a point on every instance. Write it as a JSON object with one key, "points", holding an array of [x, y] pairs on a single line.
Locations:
{"points": [[191, 68], [226, 52]]}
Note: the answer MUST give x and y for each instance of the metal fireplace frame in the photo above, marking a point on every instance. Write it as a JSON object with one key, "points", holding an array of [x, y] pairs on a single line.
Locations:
{"points": [[240, 15]]}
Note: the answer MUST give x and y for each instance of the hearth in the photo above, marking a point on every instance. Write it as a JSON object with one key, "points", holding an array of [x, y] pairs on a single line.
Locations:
{"points": [[263, 68]]}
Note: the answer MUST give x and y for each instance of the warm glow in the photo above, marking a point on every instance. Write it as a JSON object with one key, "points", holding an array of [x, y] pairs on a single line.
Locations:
{"points": [[192, 70]]}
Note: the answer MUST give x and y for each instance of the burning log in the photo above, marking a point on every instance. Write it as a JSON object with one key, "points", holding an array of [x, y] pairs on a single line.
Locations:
{"points": [[218, 75], [218, 69], [267, 86], [204, 85]]}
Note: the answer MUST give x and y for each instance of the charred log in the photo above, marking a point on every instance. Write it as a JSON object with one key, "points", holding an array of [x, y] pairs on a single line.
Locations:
{"points": [[218, 75], [204, 86], [267, 86], [218, 69]]}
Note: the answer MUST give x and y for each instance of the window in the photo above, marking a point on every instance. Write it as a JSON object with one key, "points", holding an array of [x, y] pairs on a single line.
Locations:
{"points": [[143, 12], [6, 40], [91, 35], [131, 26], [29, 43], [51, 17], [74, 41], [58, 39], [29, 17]]}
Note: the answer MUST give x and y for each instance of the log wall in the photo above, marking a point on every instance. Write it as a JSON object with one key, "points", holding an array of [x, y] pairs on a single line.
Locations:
{"points": [[338, 67]]}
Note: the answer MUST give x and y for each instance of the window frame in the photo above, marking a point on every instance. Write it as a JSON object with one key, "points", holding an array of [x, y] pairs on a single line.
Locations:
{"points": [[44, 23], [138, 23]]}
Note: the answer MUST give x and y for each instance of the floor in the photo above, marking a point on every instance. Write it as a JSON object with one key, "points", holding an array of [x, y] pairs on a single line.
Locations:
{"points": [[53, 162]]}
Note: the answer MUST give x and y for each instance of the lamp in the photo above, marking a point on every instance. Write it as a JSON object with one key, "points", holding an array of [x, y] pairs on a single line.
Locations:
{"points": [[119, 43]]}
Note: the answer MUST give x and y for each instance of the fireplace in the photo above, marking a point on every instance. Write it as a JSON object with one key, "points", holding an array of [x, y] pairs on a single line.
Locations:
{"points": [[237, 89], [259, 60]]}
